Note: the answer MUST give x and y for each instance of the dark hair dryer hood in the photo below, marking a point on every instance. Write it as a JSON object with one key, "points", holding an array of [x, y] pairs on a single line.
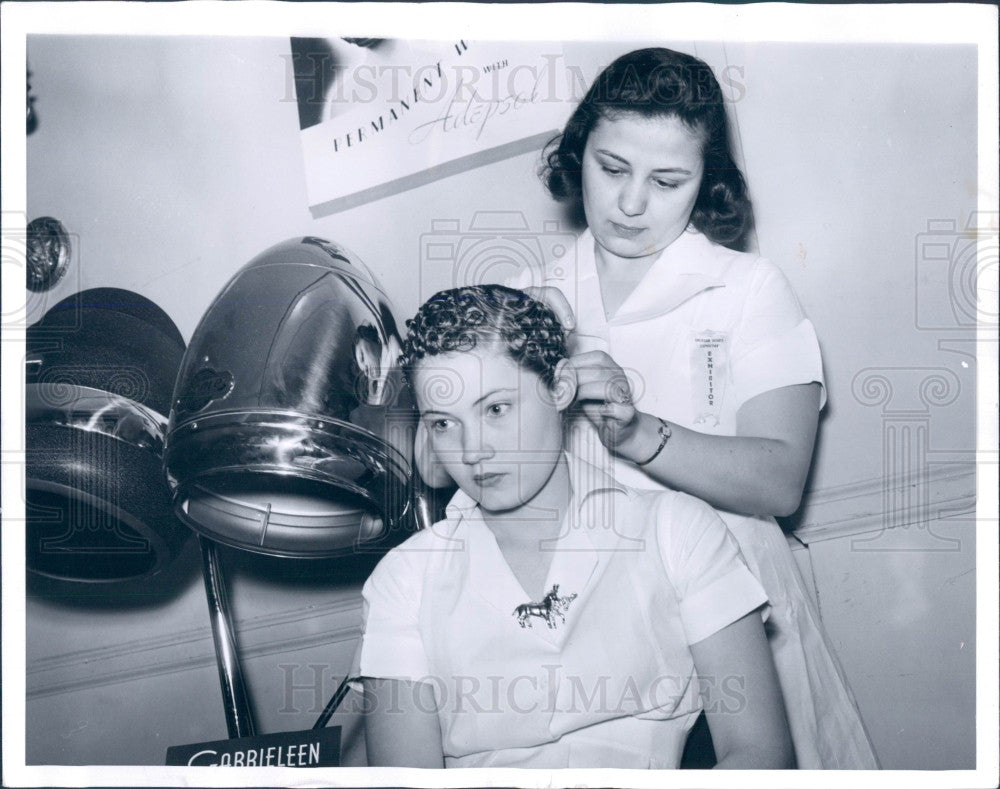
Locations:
{"points": [[99, 369], [291, 427]]}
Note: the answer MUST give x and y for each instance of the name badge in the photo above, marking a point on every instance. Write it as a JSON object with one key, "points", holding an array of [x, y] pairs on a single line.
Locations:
{"points": [[710, 368]]}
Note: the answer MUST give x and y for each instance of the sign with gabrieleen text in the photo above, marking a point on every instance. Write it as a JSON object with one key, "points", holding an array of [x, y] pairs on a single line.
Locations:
{"points": [[309, 748], [382, 116]]}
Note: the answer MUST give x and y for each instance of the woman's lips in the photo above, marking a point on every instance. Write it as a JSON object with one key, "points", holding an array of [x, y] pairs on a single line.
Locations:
{"points": [[626, 231], [488, 480]]}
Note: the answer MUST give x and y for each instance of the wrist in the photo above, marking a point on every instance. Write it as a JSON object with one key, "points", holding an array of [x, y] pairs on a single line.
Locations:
{"points": [[641, 442], [646, 440], [664, 433]]}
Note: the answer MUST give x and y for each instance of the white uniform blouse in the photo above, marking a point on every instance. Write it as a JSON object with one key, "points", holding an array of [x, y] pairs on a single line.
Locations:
{"points": [[614, 684], [704, 331]]}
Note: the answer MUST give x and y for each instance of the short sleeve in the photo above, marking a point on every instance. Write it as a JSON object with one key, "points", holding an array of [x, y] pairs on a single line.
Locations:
{"points": [[775, 343], [391, 646], [703, 563]]}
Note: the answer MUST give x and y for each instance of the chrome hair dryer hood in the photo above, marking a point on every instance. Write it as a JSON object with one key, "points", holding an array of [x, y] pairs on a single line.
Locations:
{"points": [[291, 429]]}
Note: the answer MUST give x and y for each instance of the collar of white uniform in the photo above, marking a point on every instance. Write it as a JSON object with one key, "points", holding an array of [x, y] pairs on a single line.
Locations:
{"points": [[690, 265], [587, 535]]}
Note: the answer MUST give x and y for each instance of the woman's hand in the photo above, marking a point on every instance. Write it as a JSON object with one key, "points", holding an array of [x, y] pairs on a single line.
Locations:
{"points": [[554, 299], [604, 393]]}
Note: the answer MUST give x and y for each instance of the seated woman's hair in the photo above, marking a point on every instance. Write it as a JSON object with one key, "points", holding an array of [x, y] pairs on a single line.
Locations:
{"points": [[660, 83], [459, 319]]}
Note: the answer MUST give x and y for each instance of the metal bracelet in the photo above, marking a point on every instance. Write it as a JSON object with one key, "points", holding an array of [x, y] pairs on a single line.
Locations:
{"points": [[665, 434]]}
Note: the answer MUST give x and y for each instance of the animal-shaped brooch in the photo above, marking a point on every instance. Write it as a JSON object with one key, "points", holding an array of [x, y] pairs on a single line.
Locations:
{"points": [[552, 605]]}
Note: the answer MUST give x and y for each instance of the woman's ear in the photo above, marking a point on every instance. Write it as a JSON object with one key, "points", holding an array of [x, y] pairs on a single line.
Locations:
{"points": [[564, 383]]}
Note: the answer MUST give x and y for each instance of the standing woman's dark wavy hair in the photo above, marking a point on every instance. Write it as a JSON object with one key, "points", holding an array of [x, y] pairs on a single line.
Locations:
{"points": [[660, 83]]}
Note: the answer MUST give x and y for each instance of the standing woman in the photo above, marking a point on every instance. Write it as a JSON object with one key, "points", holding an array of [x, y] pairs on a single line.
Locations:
{"points": [[698, 370]]}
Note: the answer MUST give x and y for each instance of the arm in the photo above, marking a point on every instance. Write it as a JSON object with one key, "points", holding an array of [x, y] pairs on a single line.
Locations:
{"points": [[401, 724], [743, 702], [761, 470], [401, 717]]}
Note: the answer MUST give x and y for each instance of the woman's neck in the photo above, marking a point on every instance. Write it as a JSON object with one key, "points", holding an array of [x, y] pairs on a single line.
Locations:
{"points": [[537, 519], [522, 532], [619, 276]]}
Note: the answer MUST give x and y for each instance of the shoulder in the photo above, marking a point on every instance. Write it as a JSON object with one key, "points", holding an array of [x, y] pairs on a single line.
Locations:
{"points": [[671, 508], [688, 533], [412, 561], [761, 277], [669, 514], [698, 552], [732, 266], [756, 289]]}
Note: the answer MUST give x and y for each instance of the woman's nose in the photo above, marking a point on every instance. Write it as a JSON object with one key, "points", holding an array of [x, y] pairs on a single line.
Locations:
{"points": [[632, 197], [474, 447]]}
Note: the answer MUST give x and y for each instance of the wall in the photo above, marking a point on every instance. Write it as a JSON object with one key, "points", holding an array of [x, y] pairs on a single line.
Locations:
{"points": [[176, 160], [878, 143]]}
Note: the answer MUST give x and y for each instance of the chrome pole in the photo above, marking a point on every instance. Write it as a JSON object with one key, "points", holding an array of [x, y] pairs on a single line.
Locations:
{"points": [[333, 703], [239, 719]]}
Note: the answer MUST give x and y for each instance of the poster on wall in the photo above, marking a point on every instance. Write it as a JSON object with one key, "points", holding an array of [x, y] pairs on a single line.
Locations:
{"points": [[380, 116]]}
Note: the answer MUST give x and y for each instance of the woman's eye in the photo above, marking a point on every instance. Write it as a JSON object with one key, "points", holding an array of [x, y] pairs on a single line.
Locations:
{"points": [[666, 184], [498, 409], [440, 425], [612, 170]]}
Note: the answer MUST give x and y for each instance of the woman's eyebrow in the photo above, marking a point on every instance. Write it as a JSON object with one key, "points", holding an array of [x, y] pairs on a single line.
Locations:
{"points": [[678, 170], [614, 156], [494, 392]]}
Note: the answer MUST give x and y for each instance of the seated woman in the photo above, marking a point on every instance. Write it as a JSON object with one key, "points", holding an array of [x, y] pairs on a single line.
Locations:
{"points": [[554, 618]]}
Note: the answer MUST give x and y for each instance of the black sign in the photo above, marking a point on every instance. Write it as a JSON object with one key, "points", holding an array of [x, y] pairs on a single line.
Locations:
{"points": [[309, 748]]}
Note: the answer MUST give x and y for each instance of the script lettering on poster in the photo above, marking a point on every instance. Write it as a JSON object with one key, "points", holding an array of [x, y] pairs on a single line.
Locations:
{"points": [[414, 112]]}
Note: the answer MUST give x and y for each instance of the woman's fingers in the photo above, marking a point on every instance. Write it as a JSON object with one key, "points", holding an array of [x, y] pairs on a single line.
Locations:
{"points": [[613, 421], [600, 378], [605, 390], [593, 359], [554, 299], [608, 412]]}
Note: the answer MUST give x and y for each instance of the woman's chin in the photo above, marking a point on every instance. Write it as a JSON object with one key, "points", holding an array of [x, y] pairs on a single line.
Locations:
{"points": [[500, 505], [627, 248]]}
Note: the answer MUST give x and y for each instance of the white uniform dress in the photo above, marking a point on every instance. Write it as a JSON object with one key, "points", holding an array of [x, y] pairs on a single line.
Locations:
{"points": [[704, 331], [641, 575]]}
